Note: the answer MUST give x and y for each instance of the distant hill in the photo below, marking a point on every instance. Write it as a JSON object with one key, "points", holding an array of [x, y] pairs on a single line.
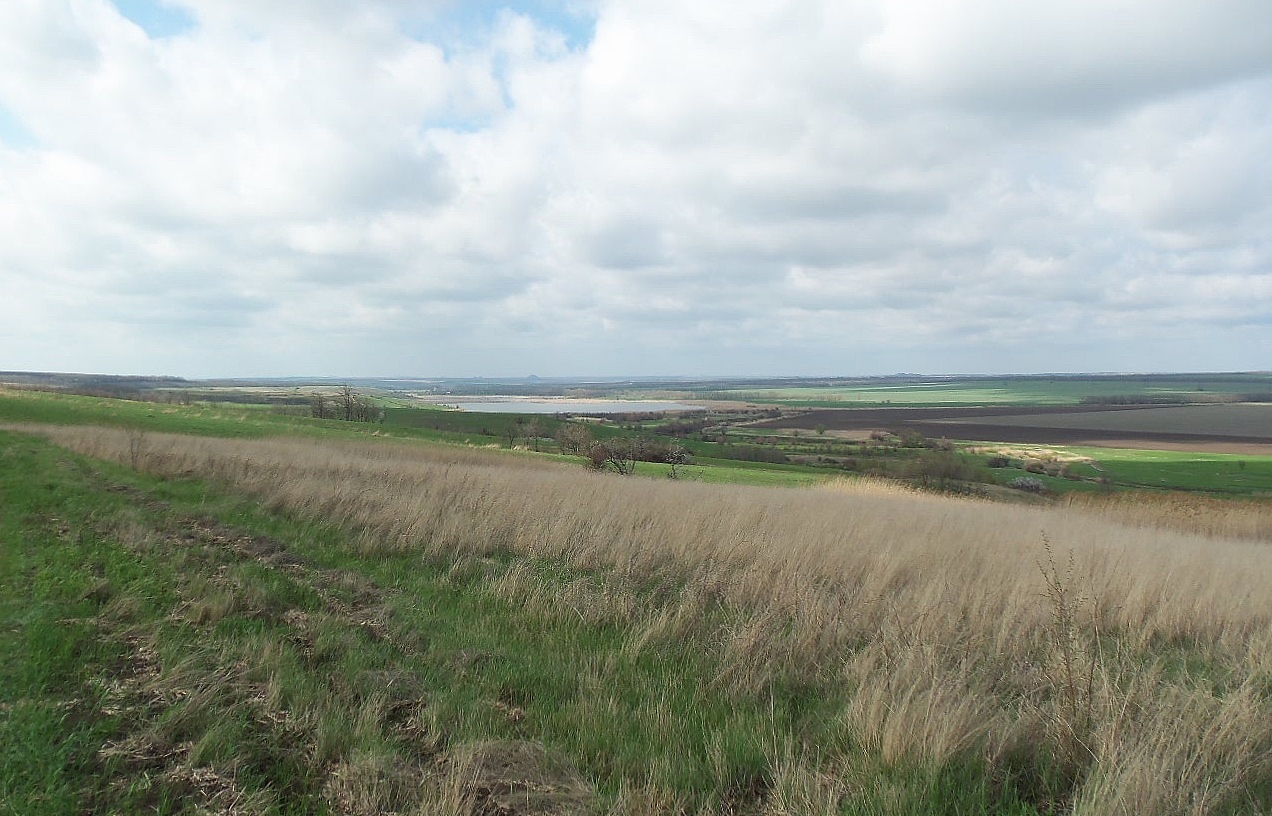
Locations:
{"points": [[90, 382]]}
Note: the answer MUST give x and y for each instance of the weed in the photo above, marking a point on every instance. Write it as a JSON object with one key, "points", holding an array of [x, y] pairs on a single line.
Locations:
{"points": [[1069, 669]]}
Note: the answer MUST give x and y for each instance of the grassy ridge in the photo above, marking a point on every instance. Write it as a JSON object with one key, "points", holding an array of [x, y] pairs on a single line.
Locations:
{"points": [[421, 424], [696, 649], [66, 409], [213, 653]]}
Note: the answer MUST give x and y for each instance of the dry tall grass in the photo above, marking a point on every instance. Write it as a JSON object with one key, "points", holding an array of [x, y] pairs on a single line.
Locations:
{"points": [[1005, 633], [1228, 518]]}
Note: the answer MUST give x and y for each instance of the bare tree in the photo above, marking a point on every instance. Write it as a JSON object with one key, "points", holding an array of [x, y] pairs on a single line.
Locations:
{"points": [[574, 438], [620, 454], [347, 404], [514, 431], [318, 405], [675, 456], [348, 401]]}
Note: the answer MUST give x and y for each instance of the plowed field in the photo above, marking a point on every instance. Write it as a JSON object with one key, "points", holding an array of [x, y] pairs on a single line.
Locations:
{"points": [[1226, 428]]}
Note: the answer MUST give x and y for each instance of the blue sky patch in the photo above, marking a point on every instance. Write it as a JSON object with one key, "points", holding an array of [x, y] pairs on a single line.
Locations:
{"points": [[13, 132], [458, 124], [156, 17], [470, 21]]}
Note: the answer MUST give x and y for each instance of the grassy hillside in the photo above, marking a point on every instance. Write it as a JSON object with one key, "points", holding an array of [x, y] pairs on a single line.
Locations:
{"points": [[363, 626], [420, 424]]}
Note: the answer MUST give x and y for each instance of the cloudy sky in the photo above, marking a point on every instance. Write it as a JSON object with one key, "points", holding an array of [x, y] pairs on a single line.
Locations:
{"points": [[610, 187]]}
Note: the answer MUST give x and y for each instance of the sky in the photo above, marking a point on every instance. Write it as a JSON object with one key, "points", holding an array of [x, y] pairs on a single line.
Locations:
{"points": [[211, 188]]}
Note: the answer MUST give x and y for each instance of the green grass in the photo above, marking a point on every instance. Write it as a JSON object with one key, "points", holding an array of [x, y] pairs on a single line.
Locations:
{"points": [[67, 409], [1131, 469], [53, 579], [1184, 470], [726, 471], [245, 421]]}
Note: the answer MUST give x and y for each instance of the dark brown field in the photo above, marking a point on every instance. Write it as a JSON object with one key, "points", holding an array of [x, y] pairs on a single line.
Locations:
{"points": [[1218, 428]]}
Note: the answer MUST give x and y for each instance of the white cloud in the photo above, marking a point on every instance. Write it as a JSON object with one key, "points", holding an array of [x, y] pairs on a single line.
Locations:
{"points": [[1060, 58], [763, 186]]}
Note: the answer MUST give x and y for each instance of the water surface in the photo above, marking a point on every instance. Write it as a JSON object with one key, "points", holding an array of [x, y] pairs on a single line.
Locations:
{"points": [[529, 406]]}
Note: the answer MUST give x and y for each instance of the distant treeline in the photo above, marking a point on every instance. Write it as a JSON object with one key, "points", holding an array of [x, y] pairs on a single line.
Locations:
{"points": [[81, 383], [119, 393], [346, 404], [249, 399]]}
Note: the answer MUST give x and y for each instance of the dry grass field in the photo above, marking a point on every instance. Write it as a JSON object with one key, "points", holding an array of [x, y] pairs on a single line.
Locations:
{"points": [[1205, 515], [1105, 658]]}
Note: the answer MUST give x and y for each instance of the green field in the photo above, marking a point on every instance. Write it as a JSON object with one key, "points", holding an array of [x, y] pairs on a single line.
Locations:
{"points": [[1220, 473]]}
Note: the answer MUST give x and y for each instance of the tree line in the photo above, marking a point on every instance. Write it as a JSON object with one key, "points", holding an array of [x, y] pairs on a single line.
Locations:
{"points": [[621, 453], [346, 404]]}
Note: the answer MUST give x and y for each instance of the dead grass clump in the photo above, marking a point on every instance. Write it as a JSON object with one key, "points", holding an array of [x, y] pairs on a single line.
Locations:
{"points": [[647, 799], [922, 703], [209, 792], [513, 779], [588, 599], [372, 784], [162, 771], [799, 790]]}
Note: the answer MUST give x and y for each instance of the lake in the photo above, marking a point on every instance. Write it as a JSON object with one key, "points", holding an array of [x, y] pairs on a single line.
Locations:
{"points": [[548, 406]]}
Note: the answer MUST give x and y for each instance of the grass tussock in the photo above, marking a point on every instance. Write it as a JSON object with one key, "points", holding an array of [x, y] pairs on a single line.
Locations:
{"points": [[1082, 660]]}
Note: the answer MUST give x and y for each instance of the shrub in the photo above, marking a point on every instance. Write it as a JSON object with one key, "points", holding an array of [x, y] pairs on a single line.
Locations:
{"points": [[942, 467], [598, 455], [1028, 484]]}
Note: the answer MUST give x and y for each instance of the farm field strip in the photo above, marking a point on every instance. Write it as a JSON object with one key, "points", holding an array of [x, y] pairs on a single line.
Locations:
{"points": [[1014, 391], [1245, 421], [1246, 429]]}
